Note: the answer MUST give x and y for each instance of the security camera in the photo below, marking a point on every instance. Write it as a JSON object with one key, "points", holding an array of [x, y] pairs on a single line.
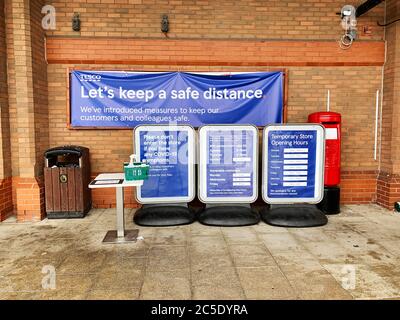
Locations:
{"points": [[349, 25], [349, 20], [346, 12]]}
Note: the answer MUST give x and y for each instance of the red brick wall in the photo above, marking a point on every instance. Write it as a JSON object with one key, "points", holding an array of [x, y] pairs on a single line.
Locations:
{"points": [[358, 187], [388, 190], [5, 169], [391, 96], [27, 102], [29, 195], [126, 35], [248, 35], [6, 205], [223, 19], [212, 52], [353, 94], [40, 96], [5, 157], [12, 103]]}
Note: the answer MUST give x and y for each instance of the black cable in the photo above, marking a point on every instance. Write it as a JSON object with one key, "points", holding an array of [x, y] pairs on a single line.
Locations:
{"points": [[387, 24]]}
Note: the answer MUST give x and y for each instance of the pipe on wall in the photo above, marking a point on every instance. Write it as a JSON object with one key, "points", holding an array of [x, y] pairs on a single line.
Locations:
{"points": [[366, 6]]}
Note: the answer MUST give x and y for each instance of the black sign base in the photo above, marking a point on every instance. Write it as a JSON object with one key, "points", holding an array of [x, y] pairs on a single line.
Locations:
{"points": [[294, 215], [330, 204], [228, 216], [163, 215]]}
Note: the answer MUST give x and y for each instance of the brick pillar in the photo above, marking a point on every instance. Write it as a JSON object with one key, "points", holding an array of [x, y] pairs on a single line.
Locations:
{"points": [[6, 206], [27, 85], [388, 185]]}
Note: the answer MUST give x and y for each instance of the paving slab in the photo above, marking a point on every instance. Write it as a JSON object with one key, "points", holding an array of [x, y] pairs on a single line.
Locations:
{"points": [[164, 285], [266, 283]]}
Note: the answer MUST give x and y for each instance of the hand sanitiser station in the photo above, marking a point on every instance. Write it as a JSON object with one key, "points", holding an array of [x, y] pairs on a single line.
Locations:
{"points": [[136, 170], [134, 175]]}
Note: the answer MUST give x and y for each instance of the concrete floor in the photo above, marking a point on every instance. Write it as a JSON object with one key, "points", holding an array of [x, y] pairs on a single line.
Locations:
{"points": [[199, 262]]}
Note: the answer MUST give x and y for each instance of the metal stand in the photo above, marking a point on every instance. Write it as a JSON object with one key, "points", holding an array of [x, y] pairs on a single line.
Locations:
{"points": [[120, 235], [117, 181], [130, 236]]}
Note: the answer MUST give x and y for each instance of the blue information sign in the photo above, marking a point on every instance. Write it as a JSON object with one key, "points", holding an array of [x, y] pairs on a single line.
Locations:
{"points": [[228, 163], [293, 163], [170, 153]]}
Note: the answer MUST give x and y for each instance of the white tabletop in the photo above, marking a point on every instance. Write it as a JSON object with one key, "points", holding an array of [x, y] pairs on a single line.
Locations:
{"points": [[117, 176]]}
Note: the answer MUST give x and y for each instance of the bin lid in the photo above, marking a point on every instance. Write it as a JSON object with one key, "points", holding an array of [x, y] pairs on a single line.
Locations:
{"points": [[324, 116], [64, 150]]}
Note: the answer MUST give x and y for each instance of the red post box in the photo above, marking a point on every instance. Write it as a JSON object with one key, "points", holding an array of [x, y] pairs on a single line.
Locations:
{"points": [[332, 123]]}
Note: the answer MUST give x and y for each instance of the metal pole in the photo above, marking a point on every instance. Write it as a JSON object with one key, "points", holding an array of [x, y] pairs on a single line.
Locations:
{"points": [[376, 123], [328, 101], [120, 212]]}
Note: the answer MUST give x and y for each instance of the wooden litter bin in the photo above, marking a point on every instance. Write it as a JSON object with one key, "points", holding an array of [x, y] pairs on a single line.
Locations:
{"points": [[66, 178]]}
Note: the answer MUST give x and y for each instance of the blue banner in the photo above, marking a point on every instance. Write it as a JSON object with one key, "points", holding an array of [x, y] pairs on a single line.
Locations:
{"points": [[128, 99], [291, 163]]}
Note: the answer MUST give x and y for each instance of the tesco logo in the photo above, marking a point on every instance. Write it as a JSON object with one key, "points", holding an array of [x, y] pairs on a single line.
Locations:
{"points": [[90, 77]]}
